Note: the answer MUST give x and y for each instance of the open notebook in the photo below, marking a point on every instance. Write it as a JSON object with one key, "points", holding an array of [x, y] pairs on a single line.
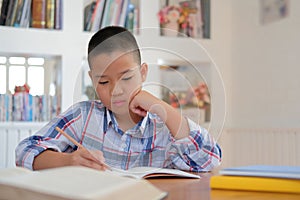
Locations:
{"points": [[150, 172]]}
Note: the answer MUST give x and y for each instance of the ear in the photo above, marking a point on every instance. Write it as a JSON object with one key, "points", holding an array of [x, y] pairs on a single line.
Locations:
{"points": [[144, 71], [91, 77], [90, 74]]}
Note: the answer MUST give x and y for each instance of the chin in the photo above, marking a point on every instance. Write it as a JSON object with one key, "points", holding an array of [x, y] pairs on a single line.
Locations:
{"points": [[120, 111]]}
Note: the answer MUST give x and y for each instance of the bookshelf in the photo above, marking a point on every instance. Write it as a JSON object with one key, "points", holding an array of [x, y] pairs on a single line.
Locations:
{"points": [[32, 13], [101, 13], [190, 92], [70, 43], [30, 87]]}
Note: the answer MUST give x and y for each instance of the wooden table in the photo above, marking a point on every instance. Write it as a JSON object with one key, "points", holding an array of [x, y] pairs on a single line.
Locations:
{"points": [[190, 189]]}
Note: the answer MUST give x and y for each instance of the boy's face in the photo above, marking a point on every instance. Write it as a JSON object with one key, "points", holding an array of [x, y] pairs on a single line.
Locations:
{"points": [[117, 77]]}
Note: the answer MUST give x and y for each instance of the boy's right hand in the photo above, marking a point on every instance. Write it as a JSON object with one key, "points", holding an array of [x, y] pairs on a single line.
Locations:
{"points": [[88, 158]]}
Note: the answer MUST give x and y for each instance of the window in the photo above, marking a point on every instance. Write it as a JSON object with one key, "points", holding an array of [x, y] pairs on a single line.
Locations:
{"points": [[17, 60], [42, 76], [36, 61], [2, 60], [16, 71], [36, 80], [16, 77]]}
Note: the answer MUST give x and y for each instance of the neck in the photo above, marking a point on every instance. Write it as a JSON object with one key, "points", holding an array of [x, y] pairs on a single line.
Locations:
{"points": [[127, 120]]}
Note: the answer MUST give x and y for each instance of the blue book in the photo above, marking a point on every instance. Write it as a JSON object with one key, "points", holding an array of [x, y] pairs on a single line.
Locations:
{"points": [[292, 172]]}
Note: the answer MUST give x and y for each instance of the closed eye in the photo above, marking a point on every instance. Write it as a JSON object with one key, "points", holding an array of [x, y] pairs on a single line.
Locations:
{"points": [[103, 82], [126, 78]]}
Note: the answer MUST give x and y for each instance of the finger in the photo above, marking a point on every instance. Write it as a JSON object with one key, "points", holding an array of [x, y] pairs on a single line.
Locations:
{"points": [[88, 160], [136, 108], [139, 111], [99, 159], [133, 101], [93, 158], [92, 164], [98, 155], [86, 154]]}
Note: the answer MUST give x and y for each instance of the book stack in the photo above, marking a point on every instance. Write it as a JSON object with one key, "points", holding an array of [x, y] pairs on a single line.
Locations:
{"points": [[32, 13], [25, 107], [102, 13], [265, 178]]}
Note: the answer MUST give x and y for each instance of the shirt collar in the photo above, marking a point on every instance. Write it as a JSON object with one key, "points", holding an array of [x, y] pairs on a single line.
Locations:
{"points": [[110, 120]]}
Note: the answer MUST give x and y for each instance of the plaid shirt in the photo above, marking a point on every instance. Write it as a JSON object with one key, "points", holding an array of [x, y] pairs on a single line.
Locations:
{"points": [[149, 143]]}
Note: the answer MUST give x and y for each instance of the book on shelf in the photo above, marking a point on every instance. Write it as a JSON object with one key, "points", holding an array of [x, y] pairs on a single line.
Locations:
{"points": [[50, 13], [5, 107], [102, 13], [26, 14], [259, 178], [19, 9], [25, 107], [88, 13], [32, 13], [11, 12], [38, 19], [123, 12], [131, 16], [4, 11], [58, 14], [96, 15], [73, 182], [205, 8]]}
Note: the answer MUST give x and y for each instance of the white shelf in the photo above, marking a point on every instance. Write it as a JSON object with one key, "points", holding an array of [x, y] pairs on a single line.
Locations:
{"points": [[20, 125], [71, 44]]}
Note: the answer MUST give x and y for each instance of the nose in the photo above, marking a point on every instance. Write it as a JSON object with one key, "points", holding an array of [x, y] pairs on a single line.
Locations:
{"points": [[117, 89]]}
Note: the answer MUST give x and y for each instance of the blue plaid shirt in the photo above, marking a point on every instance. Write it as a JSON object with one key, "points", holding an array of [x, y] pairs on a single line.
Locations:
{"points": [[149, 143]]}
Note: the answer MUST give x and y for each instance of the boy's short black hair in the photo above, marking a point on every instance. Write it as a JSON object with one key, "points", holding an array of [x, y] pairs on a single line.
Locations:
{"points": [[113, 38]]}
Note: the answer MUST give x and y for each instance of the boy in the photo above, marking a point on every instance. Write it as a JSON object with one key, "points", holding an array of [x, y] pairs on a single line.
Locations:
{"points": [[128, 127]]}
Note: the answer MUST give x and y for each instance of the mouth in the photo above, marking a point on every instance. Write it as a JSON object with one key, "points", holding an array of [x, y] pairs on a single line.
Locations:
{"points": [[118, 103]]}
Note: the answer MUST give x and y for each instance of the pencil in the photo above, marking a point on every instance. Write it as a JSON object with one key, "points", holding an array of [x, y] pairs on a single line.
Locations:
{"points": [[69, 137], [77, 143]]}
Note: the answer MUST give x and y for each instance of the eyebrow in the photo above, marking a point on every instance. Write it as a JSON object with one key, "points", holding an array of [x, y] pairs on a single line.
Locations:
{"points": [[123, 72]]}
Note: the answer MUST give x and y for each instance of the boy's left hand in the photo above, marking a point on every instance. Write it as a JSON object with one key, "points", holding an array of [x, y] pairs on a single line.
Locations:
{"points": [[143, 102]]}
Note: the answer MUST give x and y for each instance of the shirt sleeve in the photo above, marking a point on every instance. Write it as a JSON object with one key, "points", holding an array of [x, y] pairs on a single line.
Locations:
{"points": [[48, 138], [197, 152]]}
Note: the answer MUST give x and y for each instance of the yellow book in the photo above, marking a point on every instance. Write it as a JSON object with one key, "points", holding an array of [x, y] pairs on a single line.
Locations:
{"points": [[251, 183]]}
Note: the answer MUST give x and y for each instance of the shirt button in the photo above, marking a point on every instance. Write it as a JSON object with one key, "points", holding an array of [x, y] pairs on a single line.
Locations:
{"points": [[123, 138], [123, 146]]}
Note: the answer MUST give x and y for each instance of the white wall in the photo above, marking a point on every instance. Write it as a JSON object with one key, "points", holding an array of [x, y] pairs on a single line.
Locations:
{"points": [[265, 68], [219, 48], [258, 63]]}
